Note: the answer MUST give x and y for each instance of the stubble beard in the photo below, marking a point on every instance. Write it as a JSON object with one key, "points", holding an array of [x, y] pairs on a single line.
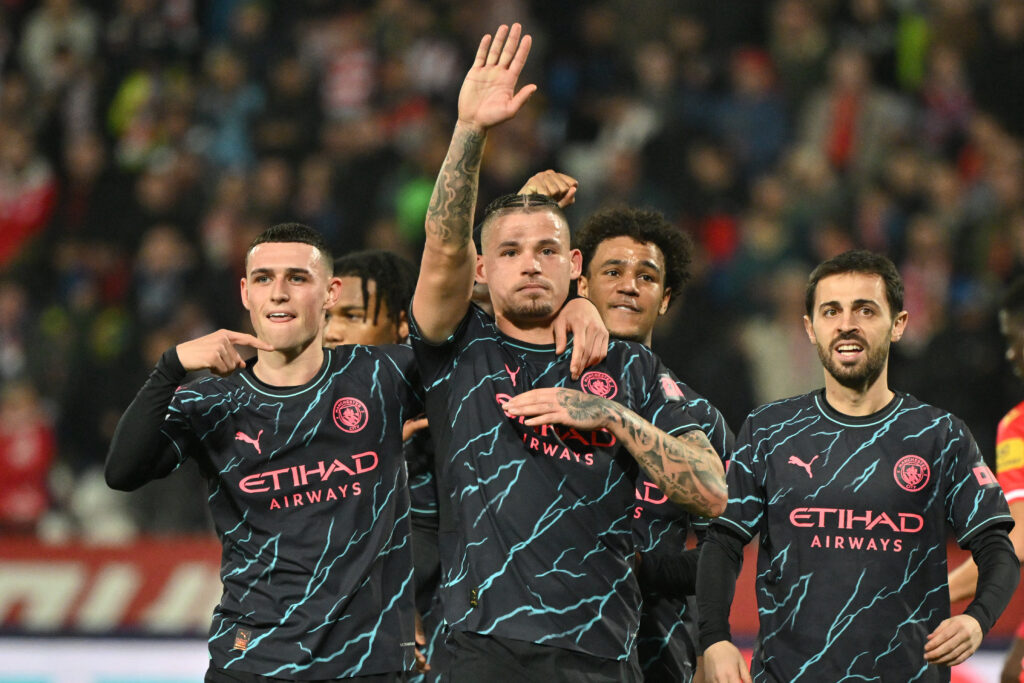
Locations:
{"points": [[860, 376], [530, 311]]}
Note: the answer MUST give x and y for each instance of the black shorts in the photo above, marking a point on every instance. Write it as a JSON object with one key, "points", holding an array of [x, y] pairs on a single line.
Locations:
{"points": [[491, 659], [223, 676]]}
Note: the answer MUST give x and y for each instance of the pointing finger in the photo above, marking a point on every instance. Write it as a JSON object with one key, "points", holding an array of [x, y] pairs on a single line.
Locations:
{"points": [[243, 339]]}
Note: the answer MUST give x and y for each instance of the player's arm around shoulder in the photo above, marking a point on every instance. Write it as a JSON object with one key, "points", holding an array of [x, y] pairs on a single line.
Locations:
{"points": [[686, 468]]}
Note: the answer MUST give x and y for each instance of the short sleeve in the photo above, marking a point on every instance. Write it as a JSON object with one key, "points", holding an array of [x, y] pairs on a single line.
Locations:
{"points": [[745, 480], [406, 380], [670, 405], [1010, 457], [974, 500], [434, 361]]}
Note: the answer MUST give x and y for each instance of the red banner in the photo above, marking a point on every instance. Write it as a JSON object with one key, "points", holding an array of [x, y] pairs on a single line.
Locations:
{"points": [[169, 585], [152, 586]]}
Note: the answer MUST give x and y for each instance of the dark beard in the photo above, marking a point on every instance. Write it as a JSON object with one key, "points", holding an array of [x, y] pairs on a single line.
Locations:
{"points": [[530, 310], [857, 378]]}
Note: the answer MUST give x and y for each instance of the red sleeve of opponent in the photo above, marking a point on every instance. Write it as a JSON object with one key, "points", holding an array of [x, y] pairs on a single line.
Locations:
{"points": [[1010, 454]]}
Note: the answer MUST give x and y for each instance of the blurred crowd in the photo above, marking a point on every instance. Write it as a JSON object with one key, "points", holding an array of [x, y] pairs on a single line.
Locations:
{"points": [[144, 143]]}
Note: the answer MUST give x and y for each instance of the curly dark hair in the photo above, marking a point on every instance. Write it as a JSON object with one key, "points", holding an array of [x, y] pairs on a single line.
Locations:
{"points": [[294, 232], [858, 261], [395, 277], [647, 227]]}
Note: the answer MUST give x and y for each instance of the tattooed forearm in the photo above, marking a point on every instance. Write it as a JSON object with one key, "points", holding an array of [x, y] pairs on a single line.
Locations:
{"points": [[582, 406], [450, 212], [685, 468]]}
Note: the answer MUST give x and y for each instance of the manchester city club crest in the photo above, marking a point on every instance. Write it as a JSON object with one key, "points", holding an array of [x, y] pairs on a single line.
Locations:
{"points": [[911, 473]]}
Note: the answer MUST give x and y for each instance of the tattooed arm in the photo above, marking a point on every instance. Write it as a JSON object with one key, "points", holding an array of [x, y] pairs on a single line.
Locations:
{"points": [[686, 468], [487, 98]]}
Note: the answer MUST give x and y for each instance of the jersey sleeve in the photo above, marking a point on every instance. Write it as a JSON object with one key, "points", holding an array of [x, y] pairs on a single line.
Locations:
{"points": [[1010, 456], [974, 500], [674, 408], [153, 436], [745, 481], [179, 428], [434, 361], [405, 379]]}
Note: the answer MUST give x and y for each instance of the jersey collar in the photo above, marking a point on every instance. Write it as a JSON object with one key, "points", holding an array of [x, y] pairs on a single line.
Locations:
{"points": [[871, 420]]}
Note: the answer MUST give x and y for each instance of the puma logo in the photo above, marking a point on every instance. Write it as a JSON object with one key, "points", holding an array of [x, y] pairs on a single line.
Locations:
{"points": [[512, 375], [793, 460], [240, 436]]}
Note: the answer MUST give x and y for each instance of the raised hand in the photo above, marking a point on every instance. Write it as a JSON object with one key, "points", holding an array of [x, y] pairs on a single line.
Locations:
{"points": [[488, 94], [558, 186], [216, 352]]}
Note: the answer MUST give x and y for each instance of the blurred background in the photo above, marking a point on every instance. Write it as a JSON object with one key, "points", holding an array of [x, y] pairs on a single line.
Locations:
{"points": [[144, 143]]}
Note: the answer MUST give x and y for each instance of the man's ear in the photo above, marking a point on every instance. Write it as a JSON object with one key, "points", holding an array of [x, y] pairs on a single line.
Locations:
{"points": [[243, 287], [809, 328], [333, 293], [899, 326], [576, 259], [583, 287], [481, 275], [665, 299]]}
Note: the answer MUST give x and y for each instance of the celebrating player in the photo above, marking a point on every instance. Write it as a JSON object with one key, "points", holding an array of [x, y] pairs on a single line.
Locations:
{"points": [[301, 448], [1009, 472], [851, 489], [634, 265], [537, 462]]}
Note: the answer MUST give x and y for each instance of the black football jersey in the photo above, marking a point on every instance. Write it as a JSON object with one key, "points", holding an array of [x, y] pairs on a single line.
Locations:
{"points": [[536, 537], [308, 493], [853, 514]]}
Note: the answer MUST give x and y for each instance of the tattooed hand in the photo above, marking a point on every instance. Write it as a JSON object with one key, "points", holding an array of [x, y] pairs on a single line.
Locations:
{"points": [[686, 468], [567, 407]]}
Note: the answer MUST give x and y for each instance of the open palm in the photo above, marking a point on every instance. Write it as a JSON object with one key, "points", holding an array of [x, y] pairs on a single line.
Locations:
{"points": [[488, 94]]}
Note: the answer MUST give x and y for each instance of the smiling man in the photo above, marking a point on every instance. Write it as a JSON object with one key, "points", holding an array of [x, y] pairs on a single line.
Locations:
{"points": [[634, 265], [302, 451], [851, 489]]}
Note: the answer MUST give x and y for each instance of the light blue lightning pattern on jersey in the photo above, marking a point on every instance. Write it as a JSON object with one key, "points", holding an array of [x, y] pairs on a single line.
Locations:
{"points": [[538, 544], [313, 512], [852, 515]]}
